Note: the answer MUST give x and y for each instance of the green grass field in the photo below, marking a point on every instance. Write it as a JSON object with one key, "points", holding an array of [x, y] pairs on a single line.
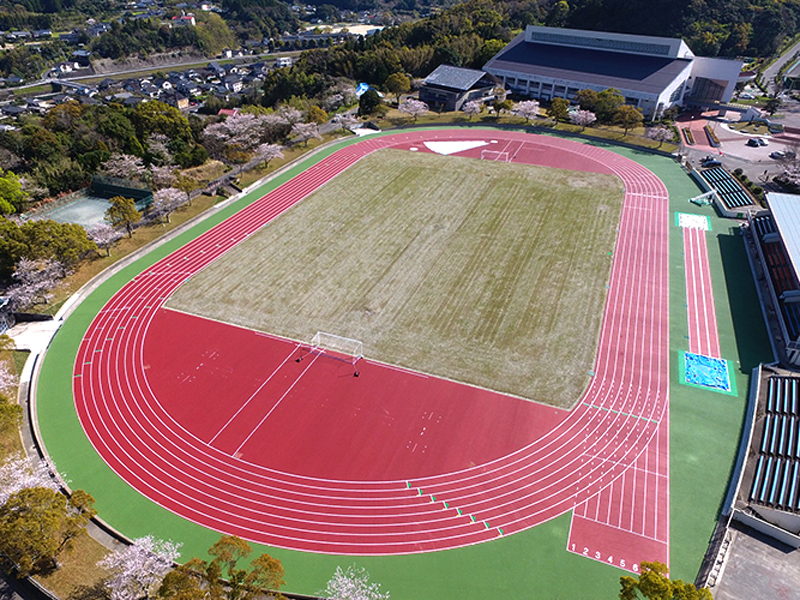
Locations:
{"points": [[482, 272]]}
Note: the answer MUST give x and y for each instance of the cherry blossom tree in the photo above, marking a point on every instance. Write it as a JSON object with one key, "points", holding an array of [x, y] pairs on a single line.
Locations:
{"points": [[413, 108], [18, 473], [472, 109], [269, 152], [166, 201], [163, 176], [583, 118], [240, 132], [348, 121], [527, 109], [353, 583], [138, 569], [7, 379], [158, 146], [104, 236], [34, 280], [306, 131], [124, 166], [660, 134], [290, 114]]}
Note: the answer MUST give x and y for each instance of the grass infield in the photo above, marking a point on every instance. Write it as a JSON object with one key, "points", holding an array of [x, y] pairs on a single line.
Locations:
{"points": [[704, 436], [477, 271]]}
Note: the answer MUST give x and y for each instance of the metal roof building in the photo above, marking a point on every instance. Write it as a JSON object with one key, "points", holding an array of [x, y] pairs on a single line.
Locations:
{"points": [[652, 73]]}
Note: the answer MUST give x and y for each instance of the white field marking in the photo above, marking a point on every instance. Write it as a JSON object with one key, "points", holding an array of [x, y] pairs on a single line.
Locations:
{"points": [[686, 220], [447, 148]]}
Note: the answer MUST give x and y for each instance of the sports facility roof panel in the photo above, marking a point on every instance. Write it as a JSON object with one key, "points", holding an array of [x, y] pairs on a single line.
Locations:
{"points": [[625, 71], [456, 78], [786, 213]]}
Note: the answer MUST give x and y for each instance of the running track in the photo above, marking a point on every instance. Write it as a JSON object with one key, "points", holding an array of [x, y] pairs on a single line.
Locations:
{"points": [[614, 427]]}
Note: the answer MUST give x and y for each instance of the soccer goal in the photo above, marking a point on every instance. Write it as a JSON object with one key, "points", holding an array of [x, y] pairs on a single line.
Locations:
{"points": [[336, 347], [496, 155]]}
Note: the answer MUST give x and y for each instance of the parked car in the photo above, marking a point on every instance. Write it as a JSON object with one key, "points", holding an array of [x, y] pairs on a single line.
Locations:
{"points": [[778, 155], [762, 141], [708, 163], [747, 96], [753, 142]]}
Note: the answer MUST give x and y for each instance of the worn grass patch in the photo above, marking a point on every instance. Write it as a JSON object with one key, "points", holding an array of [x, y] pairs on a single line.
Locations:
{"points": [[488, 273]]}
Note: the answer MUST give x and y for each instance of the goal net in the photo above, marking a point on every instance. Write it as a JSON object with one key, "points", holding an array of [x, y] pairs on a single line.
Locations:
{"points": [[341, 347], [497, 155]]}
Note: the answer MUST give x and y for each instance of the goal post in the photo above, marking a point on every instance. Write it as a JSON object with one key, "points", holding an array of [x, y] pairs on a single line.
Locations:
{"points": [[496, 155], [346, 348]]}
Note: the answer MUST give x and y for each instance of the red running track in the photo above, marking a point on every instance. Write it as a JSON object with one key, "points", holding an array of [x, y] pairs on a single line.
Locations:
{"points": [[181, 451], [702, 315]]}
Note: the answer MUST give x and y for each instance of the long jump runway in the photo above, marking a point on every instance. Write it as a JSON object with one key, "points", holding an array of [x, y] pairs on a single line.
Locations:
{"points": [[224, 427]]}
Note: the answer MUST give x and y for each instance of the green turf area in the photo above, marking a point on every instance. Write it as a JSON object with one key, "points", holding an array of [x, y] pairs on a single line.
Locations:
{"points": [[472, 270], [704, 433]]}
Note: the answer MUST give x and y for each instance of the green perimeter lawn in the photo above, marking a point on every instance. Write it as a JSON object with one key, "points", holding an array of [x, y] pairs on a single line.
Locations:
{"points": [[452, 266], [704, 431]]}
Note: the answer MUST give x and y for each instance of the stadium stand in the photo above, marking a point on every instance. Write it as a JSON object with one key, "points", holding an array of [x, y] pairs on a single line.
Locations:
{"points": [[729, 190], [775, 483]]}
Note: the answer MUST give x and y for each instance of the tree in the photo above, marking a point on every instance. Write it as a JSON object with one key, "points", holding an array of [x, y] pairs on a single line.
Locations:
{"points": [[654, 584], [353, 583], [12, 196], [413, 108], [771, 106], [503, 105], [18, 473], [608, 101], [124, 166], [166, 201], [660, 134], [34, 279], [162, 176], [369, 102], [398, 84], [37, 524], [587, 99], [527, 109], [628, 117], [7, 379], [139, 568], [316, 115], [583, 118], [199, 579], [66, 243], [306, 131], [559, 109], [268, 153], [104, 236], [472, 108], [123, 213]]}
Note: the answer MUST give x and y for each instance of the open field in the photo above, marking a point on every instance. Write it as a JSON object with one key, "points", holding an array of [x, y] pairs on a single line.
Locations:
{"points": [[488, 273]]}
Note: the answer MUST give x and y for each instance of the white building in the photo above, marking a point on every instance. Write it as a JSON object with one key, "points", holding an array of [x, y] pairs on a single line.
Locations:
{"points": [[653, 73]]}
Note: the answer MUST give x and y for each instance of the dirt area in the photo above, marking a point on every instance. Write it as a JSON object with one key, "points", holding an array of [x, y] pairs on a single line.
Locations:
{"points": [[106, 65]]}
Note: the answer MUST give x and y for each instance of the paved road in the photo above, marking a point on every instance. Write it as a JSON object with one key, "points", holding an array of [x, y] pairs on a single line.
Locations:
{"points": [[772, 71]]}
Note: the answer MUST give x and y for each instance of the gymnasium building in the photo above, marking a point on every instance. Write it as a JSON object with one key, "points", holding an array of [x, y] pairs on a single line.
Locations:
{"points": [[653, 73]]}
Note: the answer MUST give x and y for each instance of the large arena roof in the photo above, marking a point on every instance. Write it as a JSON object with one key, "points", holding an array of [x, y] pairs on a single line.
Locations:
{"points": [[622, 70]]}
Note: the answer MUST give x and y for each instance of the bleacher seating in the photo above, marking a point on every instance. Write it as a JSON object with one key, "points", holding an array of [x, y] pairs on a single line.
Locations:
{"points": [[729, 190], [775, 482], [764, 225]]}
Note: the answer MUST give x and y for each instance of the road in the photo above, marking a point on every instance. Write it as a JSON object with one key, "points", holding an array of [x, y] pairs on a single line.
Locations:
{"points": [[771, 71]]}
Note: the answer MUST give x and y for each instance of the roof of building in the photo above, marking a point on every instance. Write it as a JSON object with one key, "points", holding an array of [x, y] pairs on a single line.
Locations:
{"points": [[621, 70], [456, 78], [785, 210]]}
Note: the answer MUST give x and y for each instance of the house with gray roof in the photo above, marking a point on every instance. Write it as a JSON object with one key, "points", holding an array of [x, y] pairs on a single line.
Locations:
{"points": [[449, 87]]}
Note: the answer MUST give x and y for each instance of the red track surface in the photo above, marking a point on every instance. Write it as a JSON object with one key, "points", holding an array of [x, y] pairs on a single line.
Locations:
{"points": [[215, 458], [703, 334]]}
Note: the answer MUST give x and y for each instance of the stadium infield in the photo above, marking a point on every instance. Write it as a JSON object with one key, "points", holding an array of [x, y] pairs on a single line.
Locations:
{"points": [[532, 560], [476, 271]]}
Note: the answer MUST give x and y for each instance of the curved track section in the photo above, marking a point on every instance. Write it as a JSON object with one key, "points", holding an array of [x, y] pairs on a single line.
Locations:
{"points": [[601, 438]]}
